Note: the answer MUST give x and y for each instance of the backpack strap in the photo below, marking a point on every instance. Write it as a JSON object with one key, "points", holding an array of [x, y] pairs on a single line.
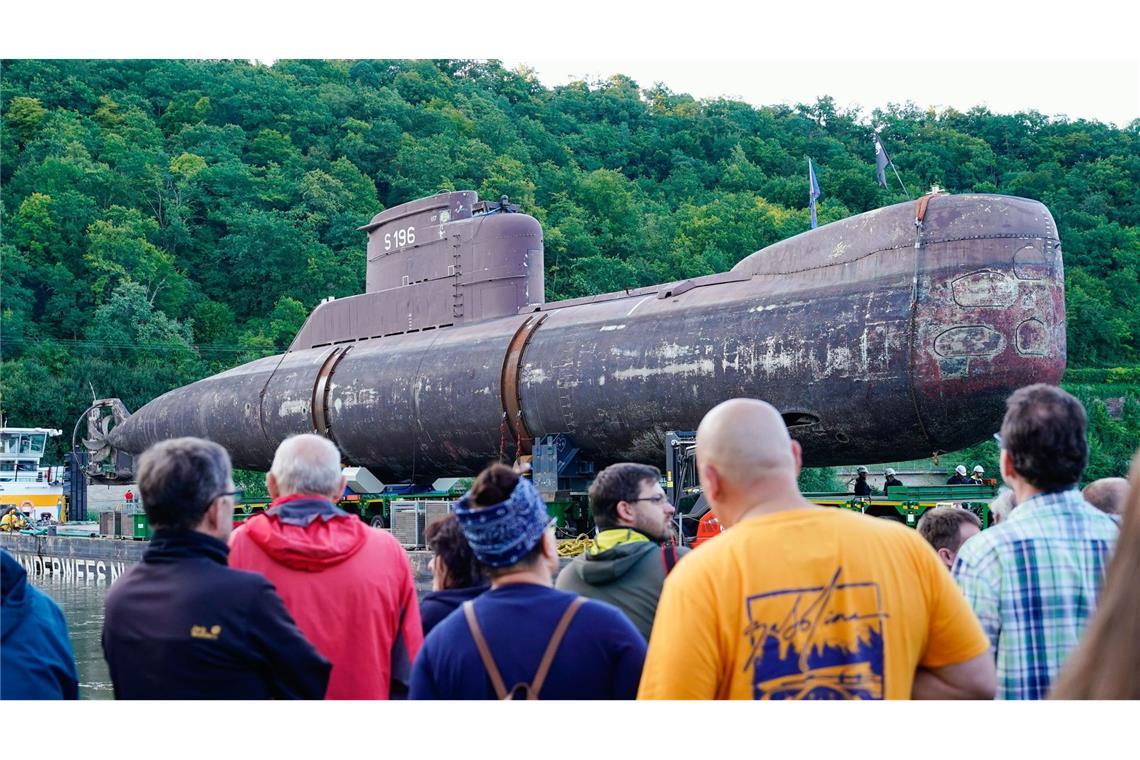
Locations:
{"points": [[669, 556], [552, 647], [484, 651]]}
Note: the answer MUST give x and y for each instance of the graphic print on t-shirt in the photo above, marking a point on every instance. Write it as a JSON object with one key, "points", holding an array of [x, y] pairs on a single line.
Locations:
{"points": [[817, 643]]}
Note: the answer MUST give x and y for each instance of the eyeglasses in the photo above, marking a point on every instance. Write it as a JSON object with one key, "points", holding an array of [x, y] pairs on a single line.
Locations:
{"points": [[237, 495], [656, 499], [997, 437]]}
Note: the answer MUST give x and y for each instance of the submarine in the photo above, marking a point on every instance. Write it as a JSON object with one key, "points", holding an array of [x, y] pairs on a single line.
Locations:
{"points": [[891, 335]]}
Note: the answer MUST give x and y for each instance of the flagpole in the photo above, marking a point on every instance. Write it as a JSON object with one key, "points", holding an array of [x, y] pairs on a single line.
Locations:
{"points": [[896, 171], [813, 192], [879, 149]]}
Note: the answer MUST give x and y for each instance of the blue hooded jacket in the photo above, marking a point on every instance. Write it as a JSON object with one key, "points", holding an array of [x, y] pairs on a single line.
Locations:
{"points": [[36, 660]]}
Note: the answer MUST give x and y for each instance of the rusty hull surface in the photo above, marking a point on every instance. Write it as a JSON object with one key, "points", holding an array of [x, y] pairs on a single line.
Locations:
{"points": [[879, 338]]}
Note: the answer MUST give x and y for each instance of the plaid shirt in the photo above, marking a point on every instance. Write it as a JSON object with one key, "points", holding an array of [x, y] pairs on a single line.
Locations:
{"points": [[1033, 582]]}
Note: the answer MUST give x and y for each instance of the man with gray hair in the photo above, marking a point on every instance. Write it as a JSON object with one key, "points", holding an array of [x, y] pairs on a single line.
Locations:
{"points": [[180, 624], [350, 587], [1001, 506]]}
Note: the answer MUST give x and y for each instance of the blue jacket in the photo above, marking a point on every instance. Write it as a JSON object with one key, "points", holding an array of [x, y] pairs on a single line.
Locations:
{"points": [[182, 624], [436, 605], [600, 657], [36, 660]]}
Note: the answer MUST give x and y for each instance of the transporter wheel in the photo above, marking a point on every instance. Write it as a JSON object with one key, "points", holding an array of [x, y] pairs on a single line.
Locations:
{"points": [[379, 522], [884, 512]]}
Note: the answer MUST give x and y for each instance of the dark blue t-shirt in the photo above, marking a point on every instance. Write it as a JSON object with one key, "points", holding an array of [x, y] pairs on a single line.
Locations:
{"points": [[600, 657]]}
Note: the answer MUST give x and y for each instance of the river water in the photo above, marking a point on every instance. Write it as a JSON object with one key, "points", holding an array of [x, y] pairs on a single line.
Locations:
{"points": [[82, 605]]}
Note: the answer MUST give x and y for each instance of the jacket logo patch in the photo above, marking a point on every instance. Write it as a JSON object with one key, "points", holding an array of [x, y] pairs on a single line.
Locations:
{"points": [[202, 632]]}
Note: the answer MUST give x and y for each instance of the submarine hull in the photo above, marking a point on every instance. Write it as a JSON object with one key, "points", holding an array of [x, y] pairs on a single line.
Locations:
{"points": [[887, 336]]}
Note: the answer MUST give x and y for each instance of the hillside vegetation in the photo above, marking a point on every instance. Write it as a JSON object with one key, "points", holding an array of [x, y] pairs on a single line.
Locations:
{"points": [[163, 220]]}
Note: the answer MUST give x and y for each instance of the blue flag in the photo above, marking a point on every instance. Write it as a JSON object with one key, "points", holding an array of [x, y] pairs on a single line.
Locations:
{"points": [[813, 192]]}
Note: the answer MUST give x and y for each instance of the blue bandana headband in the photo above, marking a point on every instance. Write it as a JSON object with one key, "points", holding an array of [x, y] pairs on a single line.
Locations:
{"points": [[502, 534]]}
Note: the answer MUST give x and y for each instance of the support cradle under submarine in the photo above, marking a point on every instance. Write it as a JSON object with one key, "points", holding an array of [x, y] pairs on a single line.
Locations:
{"points": [[890, 335]]}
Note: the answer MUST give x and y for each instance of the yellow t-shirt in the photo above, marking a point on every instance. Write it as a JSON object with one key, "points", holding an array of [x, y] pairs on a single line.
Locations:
{"points": [[807, 604]]}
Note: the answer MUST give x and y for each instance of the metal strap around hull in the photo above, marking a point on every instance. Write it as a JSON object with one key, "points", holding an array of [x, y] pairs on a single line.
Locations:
{"points": [[920, 208], [912, 324], [320, 400], [509, 383]]}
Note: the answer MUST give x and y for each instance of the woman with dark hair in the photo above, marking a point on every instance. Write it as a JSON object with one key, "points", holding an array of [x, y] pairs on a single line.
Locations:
{"points": [[524, 638], [1106, 664], [455, 575]]}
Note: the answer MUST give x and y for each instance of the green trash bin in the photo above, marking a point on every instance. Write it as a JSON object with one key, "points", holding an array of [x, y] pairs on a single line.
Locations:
{"points": [[140, 526]]}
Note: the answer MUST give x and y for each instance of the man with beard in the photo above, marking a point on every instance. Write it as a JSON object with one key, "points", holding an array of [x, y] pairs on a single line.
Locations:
{"points": [[634, 550]]}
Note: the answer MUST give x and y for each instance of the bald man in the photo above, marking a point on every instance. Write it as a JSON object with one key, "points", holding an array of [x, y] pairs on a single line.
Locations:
{"points": [[350, 588], [796, 601], [1107, 494]]}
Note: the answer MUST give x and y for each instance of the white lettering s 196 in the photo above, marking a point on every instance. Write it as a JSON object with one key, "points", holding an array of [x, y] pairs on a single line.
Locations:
{"points": [[399, 238]]}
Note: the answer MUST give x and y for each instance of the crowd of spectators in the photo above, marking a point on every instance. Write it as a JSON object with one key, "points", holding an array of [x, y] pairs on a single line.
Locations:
{"points": [[792, 601]]}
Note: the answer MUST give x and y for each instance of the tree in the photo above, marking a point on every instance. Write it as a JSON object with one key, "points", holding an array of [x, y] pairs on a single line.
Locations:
{"points": [[272, 147], [24, 117], [230, 192], [1098, 334], [16, 312], [130, 350], [267, 255], [34, 229], [508, 176], [120, 252], [129, 323]]}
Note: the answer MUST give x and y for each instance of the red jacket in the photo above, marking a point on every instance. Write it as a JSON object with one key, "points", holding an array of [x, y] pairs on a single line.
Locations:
{"points": [[348, 586]]}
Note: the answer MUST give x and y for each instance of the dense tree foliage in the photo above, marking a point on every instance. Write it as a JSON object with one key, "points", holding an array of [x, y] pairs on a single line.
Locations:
{"points": [[164, 220]]}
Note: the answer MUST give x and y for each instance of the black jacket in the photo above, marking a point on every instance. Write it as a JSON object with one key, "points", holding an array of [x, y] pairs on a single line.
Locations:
{"points": [[436, 605], [181, 624], [959, 480], [862, 487], [891, 482]]}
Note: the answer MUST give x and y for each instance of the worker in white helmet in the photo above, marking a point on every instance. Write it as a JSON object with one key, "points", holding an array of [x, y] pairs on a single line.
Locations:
{"points": [[890, 480], [959, 478], [979, 474], [862, 487]]}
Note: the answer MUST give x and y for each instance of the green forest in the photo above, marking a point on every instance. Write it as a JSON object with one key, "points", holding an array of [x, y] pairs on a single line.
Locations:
{"points": [[166, 220]]}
